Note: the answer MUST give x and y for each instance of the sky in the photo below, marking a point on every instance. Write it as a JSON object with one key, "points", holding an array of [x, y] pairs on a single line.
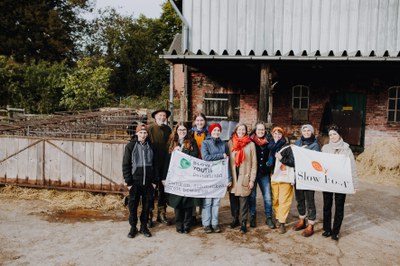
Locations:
{"points": [[149, 8]]}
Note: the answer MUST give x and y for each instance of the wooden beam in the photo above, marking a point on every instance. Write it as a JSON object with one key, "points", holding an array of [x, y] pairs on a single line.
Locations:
{"points": [[264, 92]]}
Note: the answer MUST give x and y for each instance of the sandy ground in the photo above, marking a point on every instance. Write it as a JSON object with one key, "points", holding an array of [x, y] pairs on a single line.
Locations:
{"points": [[31, 233]]}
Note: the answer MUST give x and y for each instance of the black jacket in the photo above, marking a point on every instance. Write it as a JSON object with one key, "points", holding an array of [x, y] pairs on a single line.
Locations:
{"points": [[149, 173]]}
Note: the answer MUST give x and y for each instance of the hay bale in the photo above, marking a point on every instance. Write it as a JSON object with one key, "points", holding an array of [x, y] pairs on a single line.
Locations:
{"points": [[66, 200], [380, 162]]}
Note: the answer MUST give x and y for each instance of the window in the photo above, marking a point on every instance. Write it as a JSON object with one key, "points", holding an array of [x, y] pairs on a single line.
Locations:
{"points": [[300, 103], [222, 106], [394, 104]]}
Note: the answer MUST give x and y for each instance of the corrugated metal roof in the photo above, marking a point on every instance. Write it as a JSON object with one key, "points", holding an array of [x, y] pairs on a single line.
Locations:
{"points": [[294, 28]]}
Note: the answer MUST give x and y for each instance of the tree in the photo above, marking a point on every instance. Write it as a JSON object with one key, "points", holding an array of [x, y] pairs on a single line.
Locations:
{"points": [[86, 87], [40, 30]]}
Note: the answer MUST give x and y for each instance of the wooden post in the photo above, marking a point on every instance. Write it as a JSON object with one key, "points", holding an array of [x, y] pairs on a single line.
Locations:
{"points": [[264, 92]]}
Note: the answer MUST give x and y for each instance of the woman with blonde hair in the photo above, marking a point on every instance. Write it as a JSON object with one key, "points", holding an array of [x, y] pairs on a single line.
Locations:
{"points": [[243, 163]]}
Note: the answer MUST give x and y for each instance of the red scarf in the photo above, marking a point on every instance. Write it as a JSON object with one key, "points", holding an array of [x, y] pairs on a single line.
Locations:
{"points": [[238, 146], [259, 141]]}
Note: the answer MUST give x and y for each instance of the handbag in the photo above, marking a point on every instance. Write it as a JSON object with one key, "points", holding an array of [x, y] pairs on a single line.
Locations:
{"points": [[283, 173]]}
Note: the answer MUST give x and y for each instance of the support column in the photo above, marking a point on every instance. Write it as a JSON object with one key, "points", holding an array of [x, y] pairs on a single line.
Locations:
{"points": [[265, 90]]}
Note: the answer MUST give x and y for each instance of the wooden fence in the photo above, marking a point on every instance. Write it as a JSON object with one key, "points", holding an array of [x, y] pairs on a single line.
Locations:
{"points": [[61, 163]]}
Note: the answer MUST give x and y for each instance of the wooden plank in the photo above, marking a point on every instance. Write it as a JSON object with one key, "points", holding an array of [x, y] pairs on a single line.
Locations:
{"points": [[40, 174], [12, 163], [22, 161], [264, 89], [90, 162], [117, 152], [97, 162], [78, 169], [66, 163], [52, 163], [106, 165], [33, 161], [3, 155]]}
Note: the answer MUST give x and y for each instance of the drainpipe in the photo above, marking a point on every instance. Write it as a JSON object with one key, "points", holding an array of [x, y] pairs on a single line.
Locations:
{"points": [[185, 47], [171, 95]]}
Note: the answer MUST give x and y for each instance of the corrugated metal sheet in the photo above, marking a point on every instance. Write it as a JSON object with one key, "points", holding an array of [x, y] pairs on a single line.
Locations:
{"points": [[304, 28]]}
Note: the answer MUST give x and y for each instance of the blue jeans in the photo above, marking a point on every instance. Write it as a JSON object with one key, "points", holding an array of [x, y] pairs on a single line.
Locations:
{"points": [[209, 214], [265, 186]]}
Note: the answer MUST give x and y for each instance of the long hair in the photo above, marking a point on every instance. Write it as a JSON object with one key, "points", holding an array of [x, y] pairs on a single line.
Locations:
{"points": [[174, 139], [237, 126]]}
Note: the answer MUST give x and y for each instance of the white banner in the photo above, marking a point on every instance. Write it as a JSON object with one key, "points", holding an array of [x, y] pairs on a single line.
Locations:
{"points": [[322, 171], [191, 177]]}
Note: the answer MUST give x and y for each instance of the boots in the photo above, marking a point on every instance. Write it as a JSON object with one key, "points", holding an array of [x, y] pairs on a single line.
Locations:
{"points": [[234, 223], [145, 231], [243, 228], [253, 221], [282, 228], [301, 224], [161, 218], [150, 221], [270, 222], [132, 233], [309, 231]]}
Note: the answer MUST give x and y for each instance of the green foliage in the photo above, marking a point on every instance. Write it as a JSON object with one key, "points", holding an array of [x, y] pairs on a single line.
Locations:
{"points": [[36, 87], [86, 87], [40, 30], [160, 102]]}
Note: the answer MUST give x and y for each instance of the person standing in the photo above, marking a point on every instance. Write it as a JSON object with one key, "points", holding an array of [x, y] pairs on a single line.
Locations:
{"points": [[243, 163], [180, 140], [212, 149], [259, 138], [138, 167], [336, 145], [159, 133], [199, 133], [305, 198], [282, 192]]}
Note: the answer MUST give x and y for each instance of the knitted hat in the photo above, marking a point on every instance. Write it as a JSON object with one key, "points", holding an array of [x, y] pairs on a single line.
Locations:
{"points": [[211, 127], [310, 127], [141, 127], [279, 129]]}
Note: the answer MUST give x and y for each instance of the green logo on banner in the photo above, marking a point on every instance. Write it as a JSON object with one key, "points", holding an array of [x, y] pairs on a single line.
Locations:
{"points": [[184, 163]]}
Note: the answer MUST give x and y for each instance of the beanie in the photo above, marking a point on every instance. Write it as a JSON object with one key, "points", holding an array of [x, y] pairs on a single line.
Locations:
{"points": [[211, 127], [141, 127], [279, 129], [310, 127]]}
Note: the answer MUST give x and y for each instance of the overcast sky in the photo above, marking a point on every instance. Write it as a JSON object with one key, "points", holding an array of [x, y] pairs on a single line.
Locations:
{"points": [[149, 8]]}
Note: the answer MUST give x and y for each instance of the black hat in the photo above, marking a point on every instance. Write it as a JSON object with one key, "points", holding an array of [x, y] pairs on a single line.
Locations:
{"points": [[168, 113]]}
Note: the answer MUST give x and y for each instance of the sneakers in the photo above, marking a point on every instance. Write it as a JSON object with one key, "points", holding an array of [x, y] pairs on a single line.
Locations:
{"points": [[270, 222], [309, 231], [301, 224], [282, 228], [145, 231], [216, 228], [253, 221], [208, 229], [132, 233]]}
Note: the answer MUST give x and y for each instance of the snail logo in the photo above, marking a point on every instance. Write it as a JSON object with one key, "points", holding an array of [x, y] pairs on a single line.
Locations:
{"points": [[283, 167], [185, 164], [318, 167]]}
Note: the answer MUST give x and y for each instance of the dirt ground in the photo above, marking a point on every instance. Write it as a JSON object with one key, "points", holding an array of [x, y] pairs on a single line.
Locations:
{"points": [[32, 233]]}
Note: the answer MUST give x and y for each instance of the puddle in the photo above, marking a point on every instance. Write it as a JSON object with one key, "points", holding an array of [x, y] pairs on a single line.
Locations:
{"points": [[84, 215]]}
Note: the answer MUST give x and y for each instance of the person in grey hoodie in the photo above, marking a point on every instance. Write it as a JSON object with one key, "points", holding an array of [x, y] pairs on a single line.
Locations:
{"points": [[138, 166], [212, 149]]}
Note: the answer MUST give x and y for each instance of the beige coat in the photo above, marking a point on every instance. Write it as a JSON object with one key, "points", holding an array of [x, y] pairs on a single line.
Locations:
{"points": [[247, 170]]}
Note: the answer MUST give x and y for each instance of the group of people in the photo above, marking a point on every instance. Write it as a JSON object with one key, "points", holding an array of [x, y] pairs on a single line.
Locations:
{"points": [[252, 159]]}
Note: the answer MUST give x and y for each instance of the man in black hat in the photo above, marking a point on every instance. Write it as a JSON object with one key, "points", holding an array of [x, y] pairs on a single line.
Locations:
{"points": [[159, 134]]}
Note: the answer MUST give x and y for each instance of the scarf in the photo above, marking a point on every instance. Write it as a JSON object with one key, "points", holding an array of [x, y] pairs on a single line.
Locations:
{"points": [[258, 141], [199, 132], [275, 146], [238, 146], [307, 141], [335, 147]]}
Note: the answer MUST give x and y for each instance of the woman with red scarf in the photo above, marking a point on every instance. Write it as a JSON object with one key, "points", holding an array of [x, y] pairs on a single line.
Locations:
{"points": [[243, 163]]}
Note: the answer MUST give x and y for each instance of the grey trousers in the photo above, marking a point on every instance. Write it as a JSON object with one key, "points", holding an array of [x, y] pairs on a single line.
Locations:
{"points": [[239, 207]]}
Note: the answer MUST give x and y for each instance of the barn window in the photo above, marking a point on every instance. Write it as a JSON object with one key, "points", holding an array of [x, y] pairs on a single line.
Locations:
{"points": [[394, 104], [300, 103], [222, 106]]}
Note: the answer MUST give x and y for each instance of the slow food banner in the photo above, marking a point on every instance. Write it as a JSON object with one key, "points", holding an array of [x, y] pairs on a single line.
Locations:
{"points": [[322, 171], [191, 177]]}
